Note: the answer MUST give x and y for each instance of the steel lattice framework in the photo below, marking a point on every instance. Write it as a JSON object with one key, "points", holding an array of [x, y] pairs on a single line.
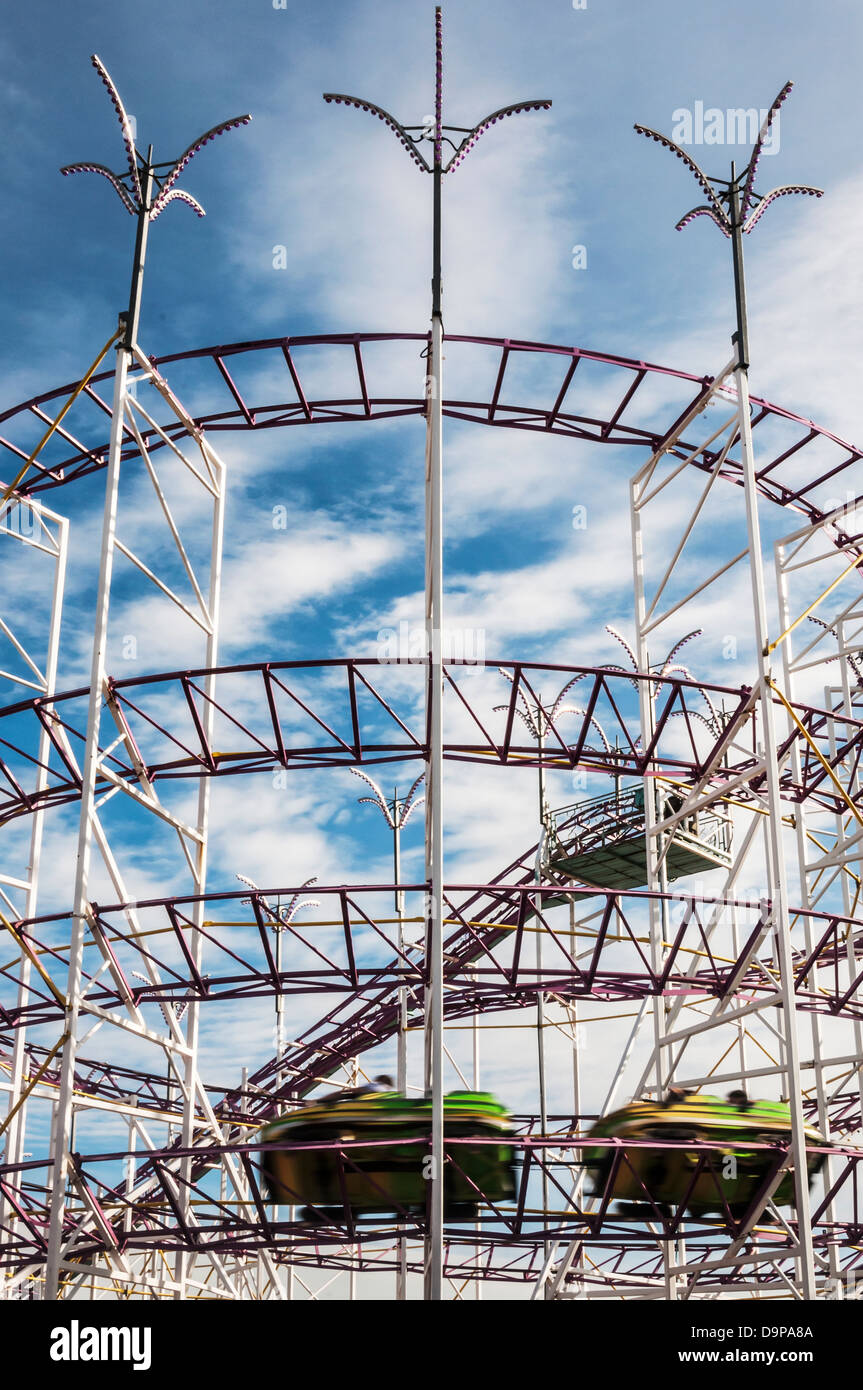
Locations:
{"points": [[355, 712], [144, 1176]]}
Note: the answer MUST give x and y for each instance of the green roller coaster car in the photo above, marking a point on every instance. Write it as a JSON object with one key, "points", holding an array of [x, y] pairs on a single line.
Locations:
{"points": [[388, 1177], [703, 1182]]}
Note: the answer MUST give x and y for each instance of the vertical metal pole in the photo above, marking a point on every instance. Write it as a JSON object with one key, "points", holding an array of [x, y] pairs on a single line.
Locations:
{"points": [[434, 765], [434, 820], [129, 1184], [133, 316], [657, 879], [777, 884], [401, 1046], [819, 1060], [853, 789], [16, 1130], [578, 1194], [540, 997], [401, 1050], [280, 1081], [88, 780], [85, 834], [280, 1008], [645, 697], [184, 1262], [741, 338], [476, 1086]]}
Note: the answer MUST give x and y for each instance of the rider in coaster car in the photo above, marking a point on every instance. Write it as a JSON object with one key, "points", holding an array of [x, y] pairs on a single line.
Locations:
{"points": [[380, 1083], [676, 1094], [740, 1099]]}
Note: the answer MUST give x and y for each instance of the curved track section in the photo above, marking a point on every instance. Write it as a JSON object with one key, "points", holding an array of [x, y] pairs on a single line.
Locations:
{"points": [[636, 396]]}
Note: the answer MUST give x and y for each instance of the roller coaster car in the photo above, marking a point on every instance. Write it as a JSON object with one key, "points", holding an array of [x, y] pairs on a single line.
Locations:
{"points": [[387, 1176], [702, 1182]]}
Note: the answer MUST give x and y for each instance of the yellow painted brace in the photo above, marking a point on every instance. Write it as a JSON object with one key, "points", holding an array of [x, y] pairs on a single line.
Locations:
{"points": [[31, 955], [74, 396], [33, 1082], [771, 646], [819, 755]]}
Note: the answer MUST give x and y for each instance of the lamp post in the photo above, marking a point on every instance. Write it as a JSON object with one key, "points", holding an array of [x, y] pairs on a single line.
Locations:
{"points": [[145, 189], [539, 720], [397, 811], [735, 208], [281, 918], [450, 145]]}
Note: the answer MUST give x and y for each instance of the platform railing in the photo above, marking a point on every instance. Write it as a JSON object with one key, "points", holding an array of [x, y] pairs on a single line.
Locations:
{"points": [[605, 821]]}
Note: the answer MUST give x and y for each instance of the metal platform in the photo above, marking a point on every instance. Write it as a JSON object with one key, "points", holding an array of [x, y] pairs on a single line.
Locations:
{"points": [[602, 842]]}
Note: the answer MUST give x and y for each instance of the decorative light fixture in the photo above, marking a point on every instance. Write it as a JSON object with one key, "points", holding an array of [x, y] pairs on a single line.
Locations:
{"points": [[144, 188], [734, 206]]}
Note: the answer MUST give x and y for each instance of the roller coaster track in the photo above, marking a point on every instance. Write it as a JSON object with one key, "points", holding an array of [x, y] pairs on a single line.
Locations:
{"points": [[358, 724]]}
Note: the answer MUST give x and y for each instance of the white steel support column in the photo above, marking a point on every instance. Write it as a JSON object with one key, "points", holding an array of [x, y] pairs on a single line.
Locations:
{"points": [[15, 1131], [184, 1261], [475, 1082], [647, 713], [578, 1195], [434, 806], [777, 877], [540, 997], [402, 1042], [657, 878], [92, 834], [450, 145], [852, 958], [85, 832], [819, 877], [399, 903]]}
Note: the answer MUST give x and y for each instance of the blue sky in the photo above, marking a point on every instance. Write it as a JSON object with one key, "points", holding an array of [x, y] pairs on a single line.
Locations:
{"points": [[293, 177], [336, 191]]}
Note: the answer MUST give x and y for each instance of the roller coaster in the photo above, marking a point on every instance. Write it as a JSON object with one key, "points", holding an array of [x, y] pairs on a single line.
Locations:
{"points": [[706, 898]]}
